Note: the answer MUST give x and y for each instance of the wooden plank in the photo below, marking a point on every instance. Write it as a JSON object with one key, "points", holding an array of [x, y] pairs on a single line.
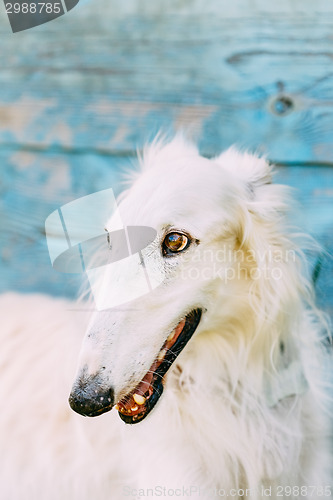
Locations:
{"points": [[34, 184], [313, 188], [114, 9], [252, 74], [107, 76]]}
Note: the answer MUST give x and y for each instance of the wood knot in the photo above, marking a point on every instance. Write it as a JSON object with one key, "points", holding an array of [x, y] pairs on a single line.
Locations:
{"points": [[282, 105]]}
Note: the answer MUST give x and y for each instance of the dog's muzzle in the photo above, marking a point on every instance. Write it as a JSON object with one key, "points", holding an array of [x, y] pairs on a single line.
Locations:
{"points": [[89, 398]]}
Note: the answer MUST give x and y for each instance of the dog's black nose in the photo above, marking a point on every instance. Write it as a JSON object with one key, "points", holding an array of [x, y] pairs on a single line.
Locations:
{"points": [[89, 398]]}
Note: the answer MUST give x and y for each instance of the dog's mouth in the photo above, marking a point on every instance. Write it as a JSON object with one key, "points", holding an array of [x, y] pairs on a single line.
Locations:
{"points": [[136, 405]]}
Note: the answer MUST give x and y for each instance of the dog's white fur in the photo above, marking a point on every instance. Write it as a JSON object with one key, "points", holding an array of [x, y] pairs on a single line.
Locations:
{"points": [[221, 422]]}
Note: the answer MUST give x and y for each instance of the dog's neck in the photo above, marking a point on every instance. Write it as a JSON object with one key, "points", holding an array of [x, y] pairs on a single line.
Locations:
{"points": [[211, 356]]}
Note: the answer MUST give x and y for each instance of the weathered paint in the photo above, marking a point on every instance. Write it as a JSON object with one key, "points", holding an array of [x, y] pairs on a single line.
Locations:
{"points": [[79, 95], [107, 76], [35, 184]]}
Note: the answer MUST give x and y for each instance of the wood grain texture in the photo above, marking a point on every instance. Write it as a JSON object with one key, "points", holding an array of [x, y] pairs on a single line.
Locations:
{"points": [[313, 189], [34, 184], [80, 94], [109, 76]]}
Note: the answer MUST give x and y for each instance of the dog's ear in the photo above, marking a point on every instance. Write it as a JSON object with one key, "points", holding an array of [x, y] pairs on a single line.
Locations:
{"points": [[263, 204], [263, 233], [253, 170]]}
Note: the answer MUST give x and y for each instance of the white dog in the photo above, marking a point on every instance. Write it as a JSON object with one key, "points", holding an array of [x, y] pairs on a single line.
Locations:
{"points": [[221, 367]]}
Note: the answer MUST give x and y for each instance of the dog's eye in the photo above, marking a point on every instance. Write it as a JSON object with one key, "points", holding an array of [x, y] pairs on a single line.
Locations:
{"points": [[175, 242]]}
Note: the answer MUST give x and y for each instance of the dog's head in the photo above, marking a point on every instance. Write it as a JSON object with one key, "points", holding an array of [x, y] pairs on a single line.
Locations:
{"points": [[211, 218]]}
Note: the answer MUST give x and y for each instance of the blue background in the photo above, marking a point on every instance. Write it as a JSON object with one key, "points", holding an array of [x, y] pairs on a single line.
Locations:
{"points": [[79, 94]]}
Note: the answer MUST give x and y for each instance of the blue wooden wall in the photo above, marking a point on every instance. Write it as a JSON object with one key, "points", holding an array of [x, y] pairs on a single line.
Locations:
{"points": [[78, 96]]}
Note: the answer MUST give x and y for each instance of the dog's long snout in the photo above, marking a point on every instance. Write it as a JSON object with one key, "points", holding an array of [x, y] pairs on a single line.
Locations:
{"points": [[89, 398]]}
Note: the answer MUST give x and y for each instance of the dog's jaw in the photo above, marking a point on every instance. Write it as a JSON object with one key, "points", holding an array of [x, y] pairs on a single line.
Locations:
{"points": [[135, 406]]}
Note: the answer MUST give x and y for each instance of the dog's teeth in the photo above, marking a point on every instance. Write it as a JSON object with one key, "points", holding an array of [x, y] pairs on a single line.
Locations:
{"points": [[171, 336], [140, 400], [161, 355]]}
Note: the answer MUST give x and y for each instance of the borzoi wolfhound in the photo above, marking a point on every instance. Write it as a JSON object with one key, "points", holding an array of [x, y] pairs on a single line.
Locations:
{"points": [[215, 378]]}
